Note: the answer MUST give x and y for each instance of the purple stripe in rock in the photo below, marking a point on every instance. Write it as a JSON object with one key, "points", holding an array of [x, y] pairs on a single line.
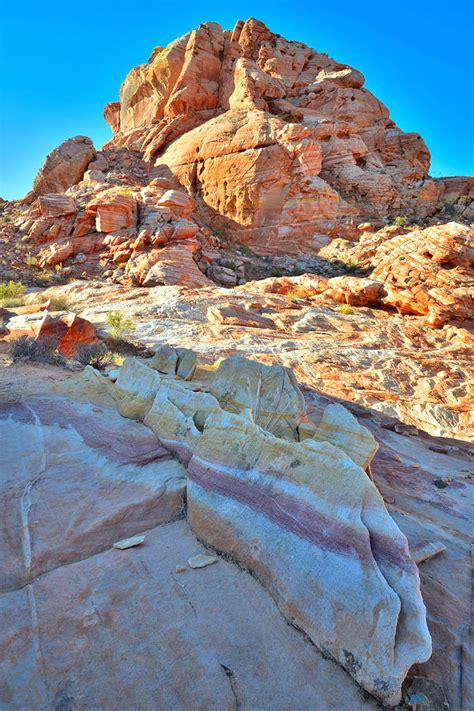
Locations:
{"points": [[301, 519], [131, 443]]}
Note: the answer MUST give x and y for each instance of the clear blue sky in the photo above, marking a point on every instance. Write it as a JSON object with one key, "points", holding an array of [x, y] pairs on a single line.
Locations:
{"points": [[63, 60]]}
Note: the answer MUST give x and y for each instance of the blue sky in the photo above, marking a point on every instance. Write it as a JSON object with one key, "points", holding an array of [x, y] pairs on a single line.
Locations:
{"points": [[62, 61]]}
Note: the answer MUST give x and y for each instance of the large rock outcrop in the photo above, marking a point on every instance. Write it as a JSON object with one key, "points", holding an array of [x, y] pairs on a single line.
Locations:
{"points": [[277, 142]]}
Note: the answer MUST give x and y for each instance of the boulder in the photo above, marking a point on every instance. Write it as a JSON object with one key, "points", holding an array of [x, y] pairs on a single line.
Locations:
{"points": [[136, 388], [56, 205], [236, 315], [79, 332], [69, 330], [180, 202], [114, 211], [339, 427], [270, 392], [356, 291], [311, 526], [174, 264], [64, 166], [174, 361], [178, 416]]}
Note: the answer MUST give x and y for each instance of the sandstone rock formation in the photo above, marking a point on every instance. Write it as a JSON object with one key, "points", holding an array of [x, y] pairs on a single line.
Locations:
{"points": [[281, 508], [64, 166], [311, 526], [277, 143], [71, 423], [69, 331], [240, 217], [429, 272]]}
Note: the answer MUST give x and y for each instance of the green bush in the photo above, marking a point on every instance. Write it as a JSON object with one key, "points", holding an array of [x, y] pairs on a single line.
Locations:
{"points": [[245, 250], [11, 293], [11, 289], [119, 325], [59, 303], [400, 221], [229, 264]]}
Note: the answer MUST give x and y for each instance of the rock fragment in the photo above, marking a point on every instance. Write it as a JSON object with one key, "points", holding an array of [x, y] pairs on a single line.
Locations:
{"points": [[129, 542]]}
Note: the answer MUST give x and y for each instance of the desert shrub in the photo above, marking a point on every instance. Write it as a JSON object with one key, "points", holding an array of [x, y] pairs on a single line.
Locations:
{"points": [[228, 264], [30, 261], [11, 290], [28, 348], [277, 272], [44, 276], [119, 325], [400, 221], [218, 231], [117, 359], [95, 354], [345, 309], [5, 219], [12, 293]]}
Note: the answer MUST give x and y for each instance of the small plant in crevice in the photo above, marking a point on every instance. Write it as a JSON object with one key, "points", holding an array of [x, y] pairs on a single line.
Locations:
{"points": [[59, 303], [245, 250], [352, 265], [229, 264], [119, 325]]}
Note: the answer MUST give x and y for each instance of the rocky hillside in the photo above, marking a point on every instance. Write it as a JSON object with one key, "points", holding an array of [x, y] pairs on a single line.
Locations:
{"points": [[262, 500]]}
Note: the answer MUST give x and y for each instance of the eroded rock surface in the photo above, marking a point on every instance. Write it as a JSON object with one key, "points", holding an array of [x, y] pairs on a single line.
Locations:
{"points": [[277, 142], [114, 467], [312, 527], [64, 166]]}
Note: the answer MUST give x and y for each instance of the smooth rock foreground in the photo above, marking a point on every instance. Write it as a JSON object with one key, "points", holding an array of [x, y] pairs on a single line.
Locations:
{"points": [[301, 515]]}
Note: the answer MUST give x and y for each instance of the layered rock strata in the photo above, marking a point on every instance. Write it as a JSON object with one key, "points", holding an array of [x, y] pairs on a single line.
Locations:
{"points": [[303, 516]]}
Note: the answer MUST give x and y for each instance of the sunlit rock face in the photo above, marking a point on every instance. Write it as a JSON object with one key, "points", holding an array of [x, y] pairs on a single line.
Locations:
{"points": [[277, 142]]}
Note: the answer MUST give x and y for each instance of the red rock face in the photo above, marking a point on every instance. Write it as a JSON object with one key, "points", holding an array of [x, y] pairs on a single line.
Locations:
{"points": [[276, 142], [65, 166], [69, 330]]}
